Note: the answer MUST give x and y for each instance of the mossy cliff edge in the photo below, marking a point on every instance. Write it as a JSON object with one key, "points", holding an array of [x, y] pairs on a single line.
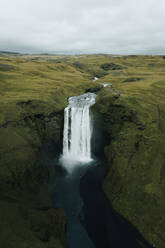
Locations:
{"points": [[33, 93], [135, 180]]}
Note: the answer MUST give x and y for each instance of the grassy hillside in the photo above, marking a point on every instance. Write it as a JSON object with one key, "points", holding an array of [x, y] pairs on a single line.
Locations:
{"points": [[33, 93]]}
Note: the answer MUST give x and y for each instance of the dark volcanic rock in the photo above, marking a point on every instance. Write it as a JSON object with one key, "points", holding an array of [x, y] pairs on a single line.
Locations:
{"points": [[94, 89], [162, 171], [111, 66], [5, 67], [132, 79]]}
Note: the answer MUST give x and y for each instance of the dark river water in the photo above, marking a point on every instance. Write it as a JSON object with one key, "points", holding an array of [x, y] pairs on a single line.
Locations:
{"points": [[91, 220], [66, 195]]}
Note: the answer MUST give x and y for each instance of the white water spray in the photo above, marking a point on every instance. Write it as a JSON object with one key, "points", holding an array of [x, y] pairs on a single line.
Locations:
{"points": [[77, 131]]}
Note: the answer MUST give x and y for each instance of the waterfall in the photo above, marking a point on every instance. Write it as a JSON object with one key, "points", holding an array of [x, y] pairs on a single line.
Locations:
{"points": [[77, 130]]}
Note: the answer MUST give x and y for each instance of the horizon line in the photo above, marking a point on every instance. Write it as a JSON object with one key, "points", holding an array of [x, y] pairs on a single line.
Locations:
{"points": [[78, 53]]}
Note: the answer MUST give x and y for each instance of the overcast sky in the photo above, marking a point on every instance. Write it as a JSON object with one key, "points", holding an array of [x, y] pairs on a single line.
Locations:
{"points": [[108, 26]]}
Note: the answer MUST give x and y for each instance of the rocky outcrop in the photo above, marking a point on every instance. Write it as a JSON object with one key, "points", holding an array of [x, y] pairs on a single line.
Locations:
{"points": [[22, 141], [94, 89], [111, 66], [132, 79]]}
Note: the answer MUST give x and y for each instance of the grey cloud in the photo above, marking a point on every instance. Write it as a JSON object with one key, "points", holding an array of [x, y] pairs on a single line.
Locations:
{"points": [[110, 26]]}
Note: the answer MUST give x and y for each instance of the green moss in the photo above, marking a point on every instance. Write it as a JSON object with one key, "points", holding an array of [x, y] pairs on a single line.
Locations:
{"points": [[23, 226]]}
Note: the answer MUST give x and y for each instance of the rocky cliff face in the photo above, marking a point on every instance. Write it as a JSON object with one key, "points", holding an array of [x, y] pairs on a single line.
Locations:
{"points": [[27, 151], [135, 163]]}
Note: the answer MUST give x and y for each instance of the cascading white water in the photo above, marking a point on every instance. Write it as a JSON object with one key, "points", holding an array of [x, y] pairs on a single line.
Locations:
{"points": [[77, 130]]}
